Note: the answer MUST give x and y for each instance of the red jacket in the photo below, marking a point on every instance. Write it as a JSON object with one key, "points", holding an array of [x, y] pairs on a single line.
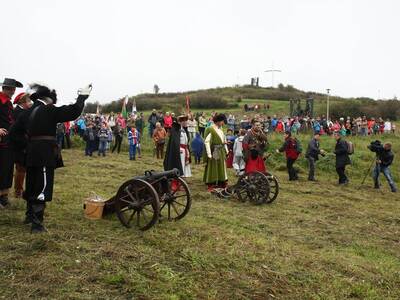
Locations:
{"points": [[290, 148], [167, 122]]}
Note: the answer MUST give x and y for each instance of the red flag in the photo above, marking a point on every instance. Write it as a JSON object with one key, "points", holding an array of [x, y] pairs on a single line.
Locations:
{"points": [[187, 104]]}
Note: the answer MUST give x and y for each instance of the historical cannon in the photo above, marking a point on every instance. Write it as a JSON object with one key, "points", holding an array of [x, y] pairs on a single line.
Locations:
{"points": [[144, 200], [255, 187]]}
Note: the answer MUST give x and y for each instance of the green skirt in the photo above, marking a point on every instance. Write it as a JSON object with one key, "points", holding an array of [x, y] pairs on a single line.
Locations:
{"points": [[215, 170]]}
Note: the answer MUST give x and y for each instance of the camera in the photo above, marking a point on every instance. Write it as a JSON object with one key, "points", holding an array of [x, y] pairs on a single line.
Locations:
{"points": [[375, 146]]}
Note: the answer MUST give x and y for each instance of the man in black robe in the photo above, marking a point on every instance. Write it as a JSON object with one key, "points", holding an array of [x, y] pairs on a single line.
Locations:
{"points": [[172, 154], [6, 154], [43, 154]]}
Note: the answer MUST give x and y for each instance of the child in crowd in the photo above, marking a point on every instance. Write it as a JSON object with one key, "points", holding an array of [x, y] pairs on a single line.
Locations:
{"points": [[133, 139], [238, 160], [103, 139], [197, 147], [89, 138], [230, 139]]}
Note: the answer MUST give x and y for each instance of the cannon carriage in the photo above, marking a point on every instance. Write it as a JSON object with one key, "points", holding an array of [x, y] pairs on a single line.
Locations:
{"points": [[255, 187], [144, 200]]}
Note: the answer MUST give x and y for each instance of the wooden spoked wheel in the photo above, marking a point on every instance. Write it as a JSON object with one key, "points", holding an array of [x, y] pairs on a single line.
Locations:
{"points": [[137, 203], [253, 187], [274, 187], [176, 202]]}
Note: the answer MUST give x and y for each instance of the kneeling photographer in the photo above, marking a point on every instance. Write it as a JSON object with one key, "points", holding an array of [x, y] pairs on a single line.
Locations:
{"points": [[384, 158]]}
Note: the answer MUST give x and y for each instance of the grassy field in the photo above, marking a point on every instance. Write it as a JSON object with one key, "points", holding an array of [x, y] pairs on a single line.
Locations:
{"points": [[317, 241]]}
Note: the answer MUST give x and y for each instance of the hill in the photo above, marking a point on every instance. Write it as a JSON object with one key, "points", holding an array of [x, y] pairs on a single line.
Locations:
{"points": [[231, 98]]}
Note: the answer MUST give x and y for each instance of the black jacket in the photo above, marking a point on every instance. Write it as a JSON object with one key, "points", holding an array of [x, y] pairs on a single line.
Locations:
{"points": [[44, 123], [172, 154], [342, 156], [385, 156], [313, 149], [19, 132]]}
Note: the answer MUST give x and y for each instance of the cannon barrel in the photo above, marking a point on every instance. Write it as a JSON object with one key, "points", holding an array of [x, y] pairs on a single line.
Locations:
{"points": [[152, 175]]}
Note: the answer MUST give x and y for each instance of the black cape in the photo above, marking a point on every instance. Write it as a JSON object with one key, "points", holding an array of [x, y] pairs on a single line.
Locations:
{"points": [[172, 154]]}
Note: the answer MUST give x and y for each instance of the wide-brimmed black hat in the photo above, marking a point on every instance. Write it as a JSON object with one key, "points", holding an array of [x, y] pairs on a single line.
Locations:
{"points": [[11, 83]]}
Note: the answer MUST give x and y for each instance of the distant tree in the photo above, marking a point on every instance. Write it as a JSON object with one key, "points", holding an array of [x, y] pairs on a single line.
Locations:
{"points": [[290, 88], [281, 87], [156, 89]]}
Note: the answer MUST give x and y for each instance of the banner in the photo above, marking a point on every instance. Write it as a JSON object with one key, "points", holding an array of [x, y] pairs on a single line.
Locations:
{"points": [[134, 110], [123, 111], [187, 104]]}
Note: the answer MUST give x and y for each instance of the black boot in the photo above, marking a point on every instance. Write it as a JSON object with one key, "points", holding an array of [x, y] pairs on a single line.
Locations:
{"points": [[4, 201], [28, 214], [376, 185], [393, 188], [37, 218]]}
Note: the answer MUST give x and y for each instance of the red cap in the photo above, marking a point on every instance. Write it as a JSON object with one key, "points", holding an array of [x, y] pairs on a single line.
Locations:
{"points": [[19, 97]]}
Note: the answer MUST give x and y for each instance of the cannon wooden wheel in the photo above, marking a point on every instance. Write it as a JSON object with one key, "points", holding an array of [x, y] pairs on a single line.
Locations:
{"points": [[137, 203], [273, 186], [176, 202], [253, 187]]}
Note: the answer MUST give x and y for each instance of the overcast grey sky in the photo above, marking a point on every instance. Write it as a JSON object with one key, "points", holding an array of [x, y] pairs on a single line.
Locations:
{"points": [[125, 47]]}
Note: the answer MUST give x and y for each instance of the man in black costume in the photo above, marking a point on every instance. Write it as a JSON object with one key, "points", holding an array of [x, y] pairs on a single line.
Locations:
{"points": [[6, 154], [43, 155], [176, 147]]}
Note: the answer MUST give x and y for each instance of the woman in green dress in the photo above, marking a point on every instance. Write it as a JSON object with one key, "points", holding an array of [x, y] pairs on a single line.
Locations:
{"points": [[215, 174]]}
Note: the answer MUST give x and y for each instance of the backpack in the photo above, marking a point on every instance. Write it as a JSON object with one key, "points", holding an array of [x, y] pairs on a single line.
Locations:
{"points": [[297, 146], [350, 147]]}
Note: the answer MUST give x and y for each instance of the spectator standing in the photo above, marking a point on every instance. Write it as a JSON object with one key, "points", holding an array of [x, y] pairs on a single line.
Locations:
{"points": [[60, 134], [167, 121], [153, 119], [342, 158], [133, 139], [388, 126], [292, 149], [159, 136], [67, 126], [197, 146], [140, 124], [118, 134], [238, 160], [191, 127], [313, 151], [103, 139], [364, 126], [202, 124], [89, 138]]}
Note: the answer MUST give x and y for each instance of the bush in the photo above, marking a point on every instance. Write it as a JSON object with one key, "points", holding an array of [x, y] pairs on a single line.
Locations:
{"points": [[389, 109]]}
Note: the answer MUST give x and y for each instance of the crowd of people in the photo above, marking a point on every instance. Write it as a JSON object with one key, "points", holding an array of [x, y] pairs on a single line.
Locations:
{"points": [[245, 139], [34, 131]]}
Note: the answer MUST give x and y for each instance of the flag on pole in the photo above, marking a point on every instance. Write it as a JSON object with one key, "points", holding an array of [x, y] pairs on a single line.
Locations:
{"points": [[123, 111], [134, 110], [187, 104]]}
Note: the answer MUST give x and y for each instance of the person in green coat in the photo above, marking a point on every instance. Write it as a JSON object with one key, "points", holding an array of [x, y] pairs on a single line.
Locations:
{"points": [[215, 174]]}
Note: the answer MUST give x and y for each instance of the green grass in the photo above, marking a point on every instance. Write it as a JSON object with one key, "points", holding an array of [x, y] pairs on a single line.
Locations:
{"points": [[317, 241]]}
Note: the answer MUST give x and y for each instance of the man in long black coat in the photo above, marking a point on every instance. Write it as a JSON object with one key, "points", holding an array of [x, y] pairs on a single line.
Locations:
{"points": [[342, 158], [43, 154], [172, 154]]}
